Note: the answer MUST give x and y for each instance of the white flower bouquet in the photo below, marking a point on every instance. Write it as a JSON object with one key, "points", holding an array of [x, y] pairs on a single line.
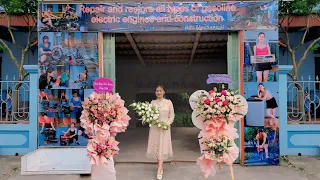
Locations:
{"points": [[149, 115]]}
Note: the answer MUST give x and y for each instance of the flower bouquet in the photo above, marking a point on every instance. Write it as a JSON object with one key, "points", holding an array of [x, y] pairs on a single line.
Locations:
{"points": [[104, 115], [215, 113], [149, 115], [104, 112], [100, 152], [224, 104]]}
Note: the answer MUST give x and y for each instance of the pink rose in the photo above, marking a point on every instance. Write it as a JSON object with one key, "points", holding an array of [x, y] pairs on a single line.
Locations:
{"points": [[217, 100], [207, 101], [225, 102], [210, 92], [224, 92]]}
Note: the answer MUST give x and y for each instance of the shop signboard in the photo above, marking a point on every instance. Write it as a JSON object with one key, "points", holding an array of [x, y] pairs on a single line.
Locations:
{"points": [[167, 16]]}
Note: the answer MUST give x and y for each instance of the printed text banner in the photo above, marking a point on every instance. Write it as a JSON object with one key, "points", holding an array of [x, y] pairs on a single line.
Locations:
{"points": [[163, 16]]}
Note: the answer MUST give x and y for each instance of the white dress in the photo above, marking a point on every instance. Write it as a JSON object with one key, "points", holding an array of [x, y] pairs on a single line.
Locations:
{"points": [[159, 143]]}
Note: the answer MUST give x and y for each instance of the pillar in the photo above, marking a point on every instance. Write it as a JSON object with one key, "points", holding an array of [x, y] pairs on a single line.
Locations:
{"points": [[109, 58], [283, 111], [33, 106]]}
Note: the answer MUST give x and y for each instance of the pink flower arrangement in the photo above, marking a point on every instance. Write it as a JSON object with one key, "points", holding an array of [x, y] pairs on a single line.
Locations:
{"points": [[104, 115], [100, 152], [217, 115], [216, 105]]}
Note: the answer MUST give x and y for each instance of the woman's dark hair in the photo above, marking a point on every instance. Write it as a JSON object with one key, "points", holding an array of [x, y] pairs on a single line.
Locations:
{"points": [[75, 92], [261, 84], [260, 130], [45, 37], [49, 70], [73, 123], [261, 33]]}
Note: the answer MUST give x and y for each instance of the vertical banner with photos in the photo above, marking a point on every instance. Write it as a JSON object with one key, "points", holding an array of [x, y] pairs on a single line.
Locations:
{"points": [[68, 65], [261, 132]]}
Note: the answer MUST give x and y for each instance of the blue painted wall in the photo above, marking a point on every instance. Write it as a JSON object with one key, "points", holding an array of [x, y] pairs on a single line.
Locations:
{"points": [[8, 67], [307, 67]]}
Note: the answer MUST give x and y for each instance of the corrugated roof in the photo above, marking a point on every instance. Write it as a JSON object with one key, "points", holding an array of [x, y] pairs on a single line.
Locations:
{"points": [[18, 21], [300, 21]]}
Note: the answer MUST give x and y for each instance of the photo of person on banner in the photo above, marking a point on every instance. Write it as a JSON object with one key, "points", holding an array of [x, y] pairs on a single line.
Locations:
{"points": [[261, 49], [261, 55], [58, 19], [261, 146]]}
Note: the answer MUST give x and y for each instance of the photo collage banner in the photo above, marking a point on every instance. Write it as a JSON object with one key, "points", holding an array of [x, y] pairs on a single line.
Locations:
{"points": [[68, 65], [261, 132], [167, 16]]}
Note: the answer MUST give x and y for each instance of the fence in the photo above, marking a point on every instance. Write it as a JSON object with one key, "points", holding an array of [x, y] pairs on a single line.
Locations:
{"points": [[18, 123], [299, 132], [15, 101], [303, 101]]}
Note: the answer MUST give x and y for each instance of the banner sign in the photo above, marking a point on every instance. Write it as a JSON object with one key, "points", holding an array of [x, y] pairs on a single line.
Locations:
{"points": [[260, 74], [219, 78], [263, 59], [125, 17], [103, 85]]}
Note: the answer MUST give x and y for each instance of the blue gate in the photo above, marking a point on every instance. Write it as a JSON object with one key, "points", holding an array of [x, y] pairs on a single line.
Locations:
{"points": [[299, 114], [18, 123]]}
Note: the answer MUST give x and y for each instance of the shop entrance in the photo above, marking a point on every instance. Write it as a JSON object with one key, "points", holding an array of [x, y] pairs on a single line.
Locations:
{"points": [[181, 62]]}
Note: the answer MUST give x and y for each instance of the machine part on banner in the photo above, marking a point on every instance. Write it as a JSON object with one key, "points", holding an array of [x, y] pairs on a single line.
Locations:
{"points": [[197, 120], [194, 98], [49, 136], [57, 53]]}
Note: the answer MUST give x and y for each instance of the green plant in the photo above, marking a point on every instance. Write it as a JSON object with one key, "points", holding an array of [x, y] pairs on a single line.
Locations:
{"points": [[183, 119]]}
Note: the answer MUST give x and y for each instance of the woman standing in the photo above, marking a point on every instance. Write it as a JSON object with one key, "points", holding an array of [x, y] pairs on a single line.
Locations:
{"points": [[262, 49], [159, 143], [262, 143], [76, 106], [264, 94]]}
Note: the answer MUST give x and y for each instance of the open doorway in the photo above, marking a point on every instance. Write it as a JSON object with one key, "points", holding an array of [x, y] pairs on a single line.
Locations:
{"points": [[181, 62]]}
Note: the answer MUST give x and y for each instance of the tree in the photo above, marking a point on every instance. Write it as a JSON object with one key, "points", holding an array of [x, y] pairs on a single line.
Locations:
{"points": [[288, 10], [26, 9]]}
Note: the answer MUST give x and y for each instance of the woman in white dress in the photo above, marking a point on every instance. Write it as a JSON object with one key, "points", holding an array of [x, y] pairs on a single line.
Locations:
{"points": [[159, 143]]}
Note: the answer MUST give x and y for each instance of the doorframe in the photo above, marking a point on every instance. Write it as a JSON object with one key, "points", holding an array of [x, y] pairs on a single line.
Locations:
{"points": [[240, 78]]}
